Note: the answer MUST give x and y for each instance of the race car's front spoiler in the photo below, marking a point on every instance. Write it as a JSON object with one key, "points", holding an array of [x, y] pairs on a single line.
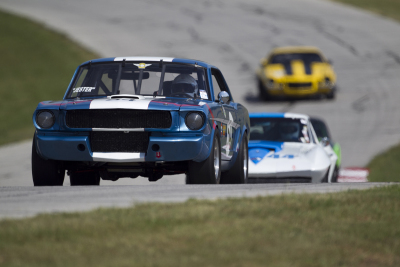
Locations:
{"points": [[314, 176], [298, 92], [160, 148]]}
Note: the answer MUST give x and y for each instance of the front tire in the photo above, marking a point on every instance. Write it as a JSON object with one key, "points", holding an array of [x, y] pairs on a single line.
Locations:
{"points": [[239, 173], [263, 91], [335, 175], [332, 94], [46, 172], [209, 170]]}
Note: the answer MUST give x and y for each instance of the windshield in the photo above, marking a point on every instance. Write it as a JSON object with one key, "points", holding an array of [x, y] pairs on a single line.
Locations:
{"points": [[320, 129], [279, 130], [286, 58], [140, 78]]}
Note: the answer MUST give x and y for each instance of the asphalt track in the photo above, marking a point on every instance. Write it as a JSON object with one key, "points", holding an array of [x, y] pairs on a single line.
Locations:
{"points": [[17, 202], [234, 35]]}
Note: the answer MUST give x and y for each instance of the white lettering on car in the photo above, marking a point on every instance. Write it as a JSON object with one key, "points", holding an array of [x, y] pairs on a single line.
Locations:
{"points": [[83, 89]]}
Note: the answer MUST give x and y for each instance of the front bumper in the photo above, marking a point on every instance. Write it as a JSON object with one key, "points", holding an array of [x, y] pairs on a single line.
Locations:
{"points": [[180, 147], [283, 89]]}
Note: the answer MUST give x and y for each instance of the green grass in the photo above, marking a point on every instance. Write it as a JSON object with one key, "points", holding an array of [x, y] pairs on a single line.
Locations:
{"points": [[385, 167], [354, 228], [37, 65], [388, 8]]}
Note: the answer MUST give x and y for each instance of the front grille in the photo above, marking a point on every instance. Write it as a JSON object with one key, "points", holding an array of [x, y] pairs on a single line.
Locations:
{"points": [[118, 118], [119, 141], [299, 85]]}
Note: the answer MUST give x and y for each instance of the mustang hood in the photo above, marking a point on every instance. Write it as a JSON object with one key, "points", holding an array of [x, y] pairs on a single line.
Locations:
{"points": [[130, 103], [291, 160]]}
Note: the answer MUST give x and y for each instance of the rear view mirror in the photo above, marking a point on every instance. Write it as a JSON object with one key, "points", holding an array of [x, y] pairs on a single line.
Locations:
{"points": [[129, 75], [264, 62], [325, 141], [223, 97]]}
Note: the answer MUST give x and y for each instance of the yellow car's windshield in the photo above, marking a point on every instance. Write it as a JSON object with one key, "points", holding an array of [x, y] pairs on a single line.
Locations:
{"points": [[287, 58]]}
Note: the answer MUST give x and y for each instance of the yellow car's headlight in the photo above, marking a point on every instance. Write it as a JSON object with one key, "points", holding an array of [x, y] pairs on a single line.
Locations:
{"points": [[271, 84], [326, 83]]}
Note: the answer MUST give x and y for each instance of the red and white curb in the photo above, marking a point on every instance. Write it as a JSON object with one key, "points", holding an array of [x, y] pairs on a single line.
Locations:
{"points": [[353, 175]]}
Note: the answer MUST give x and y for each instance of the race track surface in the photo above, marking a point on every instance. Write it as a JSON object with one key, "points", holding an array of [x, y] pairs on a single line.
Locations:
{"points": [[17, 202], [234, 35]]}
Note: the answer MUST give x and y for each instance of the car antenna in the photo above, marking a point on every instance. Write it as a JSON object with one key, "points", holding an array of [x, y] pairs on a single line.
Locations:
{"points": [[155, 94], [90, 64], [161, 62], [123, 62]]}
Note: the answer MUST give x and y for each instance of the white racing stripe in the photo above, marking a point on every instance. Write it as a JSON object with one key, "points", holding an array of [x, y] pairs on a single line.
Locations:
{"points": [[118, 157], [165, 59], [120, 103], [296, 116]]}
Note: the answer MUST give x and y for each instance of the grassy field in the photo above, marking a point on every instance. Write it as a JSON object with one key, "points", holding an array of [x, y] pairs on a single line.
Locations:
{"points": [[37, 65], [388, 8], [354, 228], [385, 167]]}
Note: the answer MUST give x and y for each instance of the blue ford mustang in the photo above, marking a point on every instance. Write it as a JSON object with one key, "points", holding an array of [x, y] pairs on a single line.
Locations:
{"points": [[142, 116]]}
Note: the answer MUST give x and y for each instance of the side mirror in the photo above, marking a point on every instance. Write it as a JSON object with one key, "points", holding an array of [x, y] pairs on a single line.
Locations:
{"points": [[325, 141], [263, 62], [223, 97]]}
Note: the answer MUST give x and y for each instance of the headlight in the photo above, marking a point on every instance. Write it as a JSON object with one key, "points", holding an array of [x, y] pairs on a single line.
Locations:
{"points": [[326, 83], [194, 120], [45, 119]]}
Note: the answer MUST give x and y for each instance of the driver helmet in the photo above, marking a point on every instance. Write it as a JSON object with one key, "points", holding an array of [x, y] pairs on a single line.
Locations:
{"points": [[184, 84], [289, 131]]}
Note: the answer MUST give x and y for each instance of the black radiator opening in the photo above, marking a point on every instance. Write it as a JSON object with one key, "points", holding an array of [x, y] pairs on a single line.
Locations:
{"points": [[118, 118], [119, 142]]}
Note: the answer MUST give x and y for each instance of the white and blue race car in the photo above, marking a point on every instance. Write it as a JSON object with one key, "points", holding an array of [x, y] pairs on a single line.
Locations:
{"points": [[142, 116], [283, 147]]}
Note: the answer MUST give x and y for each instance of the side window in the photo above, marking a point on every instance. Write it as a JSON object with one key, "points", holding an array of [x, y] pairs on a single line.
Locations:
{"points": [[217, 89], [218, 83]]}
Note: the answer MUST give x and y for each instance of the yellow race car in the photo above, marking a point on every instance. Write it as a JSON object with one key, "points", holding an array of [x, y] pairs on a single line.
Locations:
{"points": [[296, 71]]}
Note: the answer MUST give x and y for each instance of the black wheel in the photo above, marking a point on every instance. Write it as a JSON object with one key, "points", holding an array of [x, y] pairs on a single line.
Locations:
{"points": [[46, 172], [84, 178], [335, 175], [263, 91], [326, 177], [239, 173], [209, 170], [331, 94]]}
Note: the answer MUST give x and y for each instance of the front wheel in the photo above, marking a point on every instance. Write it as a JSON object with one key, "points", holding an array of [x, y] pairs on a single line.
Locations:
{"points": [[332, 94], [209, 170], [263, 91], [239, 173], [335, 175], [46, 172]]}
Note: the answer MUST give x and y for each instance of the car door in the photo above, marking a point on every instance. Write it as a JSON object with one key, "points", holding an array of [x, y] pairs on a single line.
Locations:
{"points": [[228, 119]]}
